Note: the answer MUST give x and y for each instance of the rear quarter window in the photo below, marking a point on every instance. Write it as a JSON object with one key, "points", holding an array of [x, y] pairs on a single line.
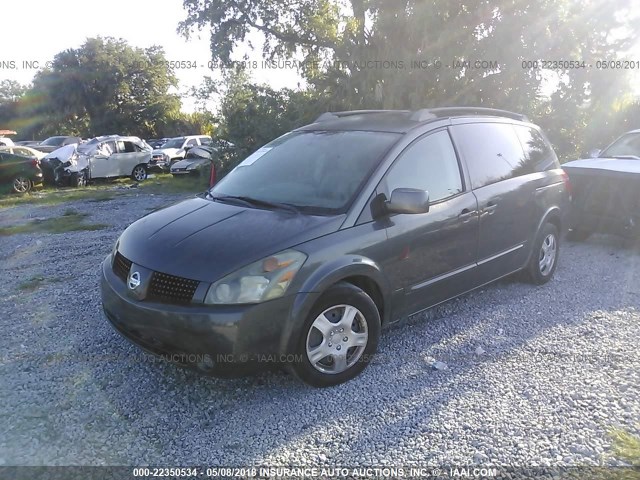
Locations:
{"points": [[539, 156]]}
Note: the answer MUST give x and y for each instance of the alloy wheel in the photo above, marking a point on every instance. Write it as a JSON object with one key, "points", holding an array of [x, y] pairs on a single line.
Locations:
{"points": [[21, 185], [548, 253], [139, 173]]}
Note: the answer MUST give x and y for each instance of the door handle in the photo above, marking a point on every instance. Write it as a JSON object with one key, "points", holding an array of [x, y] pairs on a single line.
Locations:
{"points": [[490, 209], [466, 215]]}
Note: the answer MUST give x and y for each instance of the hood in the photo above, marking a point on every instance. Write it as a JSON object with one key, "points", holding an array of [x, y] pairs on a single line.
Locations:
{"points": [[63, 153], [172, 152], [206, 240], [69, 153], [622, 165]]}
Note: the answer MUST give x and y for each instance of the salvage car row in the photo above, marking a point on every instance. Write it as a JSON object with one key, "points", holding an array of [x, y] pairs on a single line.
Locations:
{"points": [[69, 161]]}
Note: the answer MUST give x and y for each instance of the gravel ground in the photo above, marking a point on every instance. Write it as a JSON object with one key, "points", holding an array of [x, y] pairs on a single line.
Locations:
{"points": [[532, 376]]}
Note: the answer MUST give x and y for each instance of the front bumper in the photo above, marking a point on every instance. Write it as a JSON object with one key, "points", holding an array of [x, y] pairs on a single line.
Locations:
{"points": [[184, 172], [38, 178], [158, 166], [219, 340]]}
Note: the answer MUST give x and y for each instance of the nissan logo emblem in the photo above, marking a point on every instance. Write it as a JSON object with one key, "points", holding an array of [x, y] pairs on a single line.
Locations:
{"points": [[134, 280]]}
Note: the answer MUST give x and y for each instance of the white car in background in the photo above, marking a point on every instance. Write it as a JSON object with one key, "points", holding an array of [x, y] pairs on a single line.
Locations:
{"points": [[4, 140], [176, 149], [109, 156], [24, 151]]}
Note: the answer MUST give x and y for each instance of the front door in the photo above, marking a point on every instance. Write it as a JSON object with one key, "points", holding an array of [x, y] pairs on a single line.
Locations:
{"points": [[432, 255], [102, 162]]}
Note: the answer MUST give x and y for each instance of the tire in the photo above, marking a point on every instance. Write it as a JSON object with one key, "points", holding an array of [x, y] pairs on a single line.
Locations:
{"points": [[544, 256], [139, 173], [354, 344], [78, 180], [578, 235], [21, 185]]}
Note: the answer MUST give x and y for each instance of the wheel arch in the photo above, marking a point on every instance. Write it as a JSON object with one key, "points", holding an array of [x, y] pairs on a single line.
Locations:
{"points": [[554, 216], [356, 270]]}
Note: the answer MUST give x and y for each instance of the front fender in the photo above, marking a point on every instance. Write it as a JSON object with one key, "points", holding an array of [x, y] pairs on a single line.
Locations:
{"points": [[322, 279]]}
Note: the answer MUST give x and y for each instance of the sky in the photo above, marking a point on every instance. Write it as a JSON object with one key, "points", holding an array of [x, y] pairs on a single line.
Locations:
{"points": [[51, 27]]}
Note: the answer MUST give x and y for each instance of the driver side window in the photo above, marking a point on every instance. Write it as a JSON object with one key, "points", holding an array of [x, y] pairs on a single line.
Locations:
{"points": [[430, 163]]}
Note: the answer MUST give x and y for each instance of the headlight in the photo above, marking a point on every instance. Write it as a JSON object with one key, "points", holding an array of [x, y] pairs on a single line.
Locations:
{"points": [[261, 281], [192, 166], [165, 157]]}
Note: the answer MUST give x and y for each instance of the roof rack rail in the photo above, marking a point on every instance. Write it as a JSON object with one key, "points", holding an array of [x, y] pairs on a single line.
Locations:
{"points": [[431, 113], [348, 113]]}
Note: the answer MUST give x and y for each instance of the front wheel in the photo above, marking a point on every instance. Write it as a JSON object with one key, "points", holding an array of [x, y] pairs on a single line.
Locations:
{"points": [[339, 337], [544, 258], [78, 180], [22, 184], [139, 173]]}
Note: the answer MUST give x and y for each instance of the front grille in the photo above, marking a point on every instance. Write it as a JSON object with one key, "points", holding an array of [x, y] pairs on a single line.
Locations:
{"points": [[121, 266], [169, 289]]}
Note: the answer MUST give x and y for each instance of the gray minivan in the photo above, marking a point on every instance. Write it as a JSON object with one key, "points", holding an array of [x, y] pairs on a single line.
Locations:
{"points": [[316, 241]]}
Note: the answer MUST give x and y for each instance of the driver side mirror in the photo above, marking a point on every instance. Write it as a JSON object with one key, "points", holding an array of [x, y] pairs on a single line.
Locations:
{"points": [[408, 201]]}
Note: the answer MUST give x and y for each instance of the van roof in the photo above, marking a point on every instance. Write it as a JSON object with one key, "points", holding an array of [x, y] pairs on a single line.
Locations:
{"points": [[401, 121]]}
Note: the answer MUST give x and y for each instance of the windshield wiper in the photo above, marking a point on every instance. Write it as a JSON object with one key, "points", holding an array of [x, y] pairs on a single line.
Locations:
{"points": [[256, 202]]}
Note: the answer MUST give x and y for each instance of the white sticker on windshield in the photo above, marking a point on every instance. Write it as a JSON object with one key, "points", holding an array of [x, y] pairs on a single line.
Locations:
{"points": [[254, 156]]}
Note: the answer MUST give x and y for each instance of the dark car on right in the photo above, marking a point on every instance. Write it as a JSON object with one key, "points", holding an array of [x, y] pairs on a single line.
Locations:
{"points": [[606, 190], [19, 173]]}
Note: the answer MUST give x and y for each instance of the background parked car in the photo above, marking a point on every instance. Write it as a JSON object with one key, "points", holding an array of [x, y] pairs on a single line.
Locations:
{"points": [[28, 143], [606, 190], [25, 151], [53, 143], [4, 140], [175, 149], [102, 157], [18, 172], [195, 161], [65, 167], [157, 142]]}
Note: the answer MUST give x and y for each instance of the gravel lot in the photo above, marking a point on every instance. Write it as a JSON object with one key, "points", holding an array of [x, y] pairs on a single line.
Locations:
{"points": [[535, 376]]}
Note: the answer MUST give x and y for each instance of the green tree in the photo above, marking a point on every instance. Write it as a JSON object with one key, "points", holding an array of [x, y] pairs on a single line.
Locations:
{"points": [[253, 115], [11, 91], [362, 52], [103, 87]]}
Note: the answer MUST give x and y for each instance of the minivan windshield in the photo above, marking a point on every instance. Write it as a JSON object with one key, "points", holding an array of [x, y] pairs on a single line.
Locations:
{"points": [[626, 146], [318, 171]]}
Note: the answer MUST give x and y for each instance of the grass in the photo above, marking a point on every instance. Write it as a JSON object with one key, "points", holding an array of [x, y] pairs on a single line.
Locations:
{"points": [[70, 221], [626, 447], [56, 197], [36, 282], [32, 284], [105, 191], [165, 183]]}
